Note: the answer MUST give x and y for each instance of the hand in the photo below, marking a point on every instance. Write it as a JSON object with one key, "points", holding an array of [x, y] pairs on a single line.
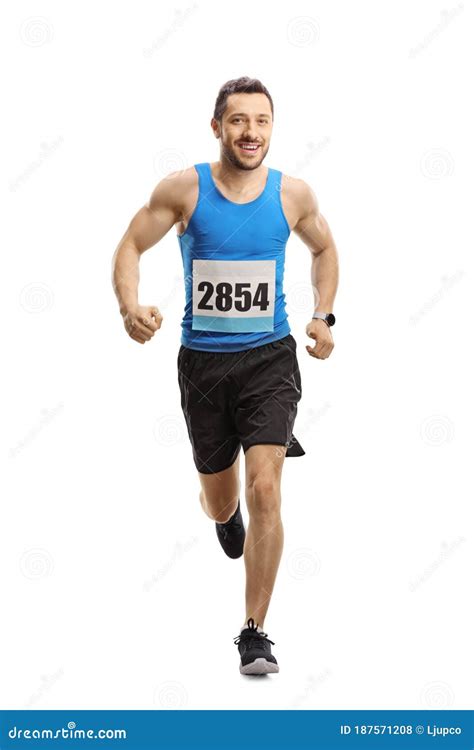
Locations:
{"points": [[321, 333], [142, 322]]}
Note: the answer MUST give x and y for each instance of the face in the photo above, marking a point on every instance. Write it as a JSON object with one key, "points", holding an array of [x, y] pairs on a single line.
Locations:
{"points": [[246, 122]]}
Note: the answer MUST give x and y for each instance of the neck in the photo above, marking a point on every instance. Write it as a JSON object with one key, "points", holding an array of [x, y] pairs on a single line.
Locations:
{"points": [[238, 181]]}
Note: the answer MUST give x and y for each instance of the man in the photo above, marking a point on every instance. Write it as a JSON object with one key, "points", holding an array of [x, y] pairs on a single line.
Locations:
{"points": [[237, 365]]}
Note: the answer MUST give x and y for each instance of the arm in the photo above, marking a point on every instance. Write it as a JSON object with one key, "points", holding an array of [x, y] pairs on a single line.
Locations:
{"points": [[147, 227], [314, 231]]}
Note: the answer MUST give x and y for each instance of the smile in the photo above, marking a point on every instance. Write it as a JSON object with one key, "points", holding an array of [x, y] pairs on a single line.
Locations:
{"points": [[250, 147]]}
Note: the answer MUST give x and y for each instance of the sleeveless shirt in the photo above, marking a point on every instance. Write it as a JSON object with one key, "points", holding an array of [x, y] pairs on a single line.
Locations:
{"points": [[233, 260]]}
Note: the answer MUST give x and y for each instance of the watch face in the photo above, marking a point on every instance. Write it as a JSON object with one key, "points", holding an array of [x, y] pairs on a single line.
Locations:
{"points": [[330, 319]]}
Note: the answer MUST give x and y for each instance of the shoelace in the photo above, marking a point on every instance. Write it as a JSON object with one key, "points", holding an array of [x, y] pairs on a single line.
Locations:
{"points": [[253, 639]]}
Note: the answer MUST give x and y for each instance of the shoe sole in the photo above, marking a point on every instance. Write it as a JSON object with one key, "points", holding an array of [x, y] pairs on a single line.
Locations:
{"points": [[259, 666]]}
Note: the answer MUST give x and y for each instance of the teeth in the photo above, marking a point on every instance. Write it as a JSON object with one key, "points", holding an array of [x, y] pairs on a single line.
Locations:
{"points": [[248, 148]]}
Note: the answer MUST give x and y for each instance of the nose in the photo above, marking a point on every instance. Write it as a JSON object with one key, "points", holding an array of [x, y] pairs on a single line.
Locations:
{"points": [[250, 134]]}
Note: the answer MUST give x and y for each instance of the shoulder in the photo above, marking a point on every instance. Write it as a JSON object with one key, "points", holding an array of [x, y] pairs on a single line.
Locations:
{"points": [[298, 200], [301, 195], [175, 188]]}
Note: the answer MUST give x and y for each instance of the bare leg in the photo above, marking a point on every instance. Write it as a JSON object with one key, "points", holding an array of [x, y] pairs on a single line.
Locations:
{"points": [[220, 492], [264, 538]]}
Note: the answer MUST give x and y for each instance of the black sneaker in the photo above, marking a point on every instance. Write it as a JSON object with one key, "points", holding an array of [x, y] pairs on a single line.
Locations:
{"points": [[255, 651], [231, 534]]}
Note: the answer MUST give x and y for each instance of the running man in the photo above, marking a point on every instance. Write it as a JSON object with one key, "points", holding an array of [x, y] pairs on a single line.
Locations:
{"points": [[237, 365]]}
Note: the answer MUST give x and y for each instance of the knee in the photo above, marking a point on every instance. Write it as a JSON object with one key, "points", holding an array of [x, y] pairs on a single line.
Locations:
{"points": [[263, 498]]}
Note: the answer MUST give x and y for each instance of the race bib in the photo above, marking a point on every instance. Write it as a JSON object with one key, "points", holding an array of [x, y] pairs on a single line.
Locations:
{"points": [[233, 295]]}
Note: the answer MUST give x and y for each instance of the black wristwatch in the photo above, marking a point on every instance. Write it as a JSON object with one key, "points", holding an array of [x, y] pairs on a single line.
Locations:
{"points": [[328, 318]]}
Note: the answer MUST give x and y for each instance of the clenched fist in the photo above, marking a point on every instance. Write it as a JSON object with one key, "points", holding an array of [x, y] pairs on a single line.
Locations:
{"points": [[142, 322], [321, 333]]}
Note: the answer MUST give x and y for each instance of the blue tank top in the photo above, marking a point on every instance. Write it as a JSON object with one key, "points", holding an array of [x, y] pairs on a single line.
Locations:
{"points": [[233, 259]]}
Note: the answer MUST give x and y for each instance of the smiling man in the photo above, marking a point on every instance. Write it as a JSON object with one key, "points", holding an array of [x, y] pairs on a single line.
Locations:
{"points": [[237, 365]]}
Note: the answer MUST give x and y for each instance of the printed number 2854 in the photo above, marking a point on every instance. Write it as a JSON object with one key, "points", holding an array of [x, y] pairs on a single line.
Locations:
{"points": [[227, 297]]}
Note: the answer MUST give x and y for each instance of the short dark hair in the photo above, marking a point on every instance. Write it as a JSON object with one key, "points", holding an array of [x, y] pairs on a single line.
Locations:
{"points": [[244, 85]]}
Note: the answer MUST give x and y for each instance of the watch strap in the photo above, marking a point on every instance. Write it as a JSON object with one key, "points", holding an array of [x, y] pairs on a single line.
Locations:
{"points": [[323, 316]]}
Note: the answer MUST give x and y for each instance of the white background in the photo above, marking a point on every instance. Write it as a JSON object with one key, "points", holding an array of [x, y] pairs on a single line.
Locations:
{"points": [[114, 590]]}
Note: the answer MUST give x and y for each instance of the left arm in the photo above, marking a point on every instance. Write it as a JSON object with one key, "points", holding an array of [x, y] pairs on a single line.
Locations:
{"points": [[314, 231]]}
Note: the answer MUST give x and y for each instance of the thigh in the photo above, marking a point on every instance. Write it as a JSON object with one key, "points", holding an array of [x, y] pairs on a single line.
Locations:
{"points": [[205, 401], [268, 399]]}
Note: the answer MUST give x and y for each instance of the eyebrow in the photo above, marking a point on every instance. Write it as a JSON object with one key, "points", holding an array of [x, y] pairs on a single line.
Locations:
{"points": [[243, 114]]}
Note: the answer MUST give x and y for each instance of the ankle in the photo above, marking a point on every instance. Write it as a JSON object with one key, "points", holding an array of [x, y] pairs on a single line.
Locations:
{"points": [[232, 516], [244, 626]]}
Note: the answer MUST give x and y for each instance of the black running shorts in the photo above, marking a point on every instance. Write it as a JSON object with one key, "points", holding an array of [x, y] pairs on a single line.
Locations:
{"points": [[234, 399]]}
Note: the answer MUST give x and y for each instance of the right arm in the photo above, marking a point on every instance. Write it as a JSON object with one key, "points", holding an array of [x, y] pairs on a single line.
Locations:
{"points": [[147, 227]]}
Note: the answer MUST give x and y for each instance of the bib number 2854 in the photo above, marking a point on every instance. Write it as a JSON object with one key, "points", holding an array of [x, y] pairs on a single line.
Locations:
{"points": [[234, 296]]}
